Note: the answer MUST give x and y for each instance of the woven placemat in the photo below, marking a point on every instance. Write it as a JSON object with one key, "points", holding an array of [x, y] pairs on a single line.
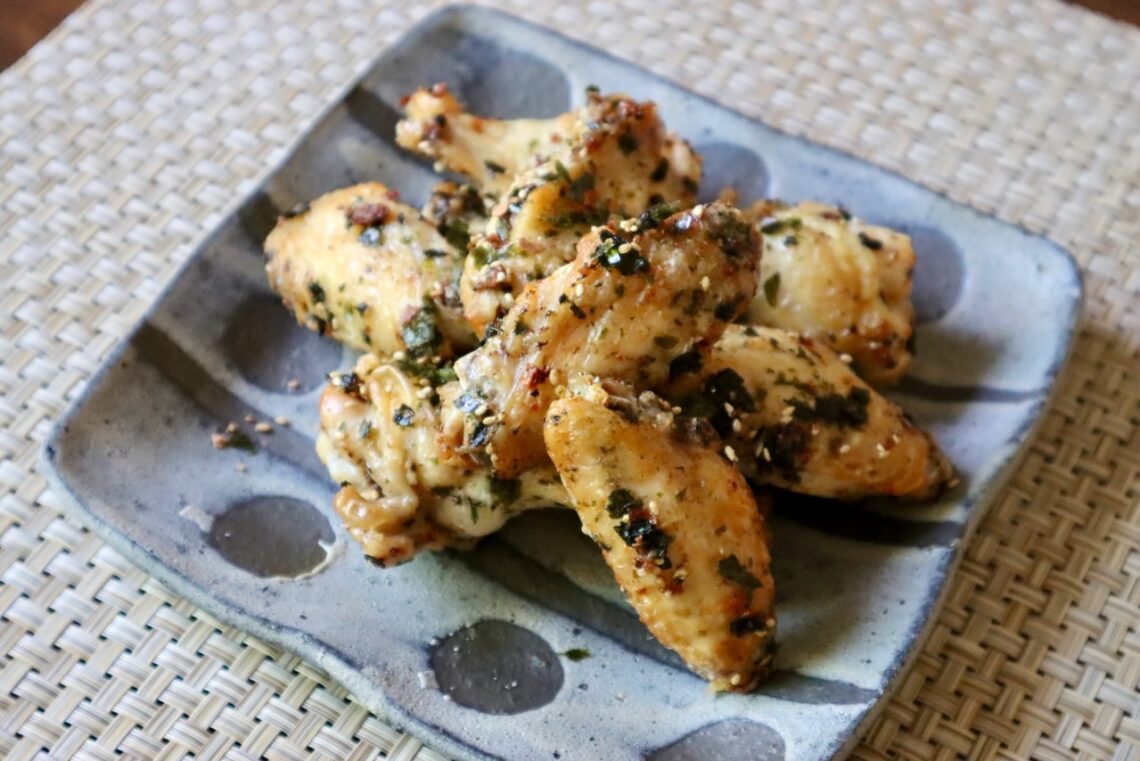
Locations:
{"points": [[138, 124]]}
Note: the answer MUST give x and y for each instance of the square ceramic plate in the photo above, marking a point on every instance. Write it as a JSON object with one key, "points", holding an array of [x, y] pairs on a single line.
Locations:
{"points": [[468, 650]]}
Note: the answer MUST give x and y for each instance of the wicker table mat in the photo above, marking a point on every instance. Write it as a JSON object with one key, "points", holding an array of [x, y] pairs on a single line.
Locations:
{"points": [[137, 125]]}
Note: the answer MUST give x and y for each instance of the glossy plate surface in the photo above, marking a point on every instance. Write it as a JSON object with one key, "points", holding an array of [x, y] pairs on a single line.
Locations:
{"points": [[469, 650]]}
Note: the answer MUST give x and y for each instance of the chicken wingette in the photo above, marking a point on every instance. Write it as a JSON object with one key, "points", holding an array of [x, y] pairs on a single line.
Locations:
{"points": [[834, 278], [553, 179], [797, 417], [369, 271], [402, 490], [631, 306], [676, 522]]}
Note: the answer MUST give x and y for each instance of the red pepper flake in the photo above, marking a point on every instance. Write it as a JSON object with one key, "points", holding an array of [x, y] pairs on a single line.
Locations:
{"points": [[368, 214]]}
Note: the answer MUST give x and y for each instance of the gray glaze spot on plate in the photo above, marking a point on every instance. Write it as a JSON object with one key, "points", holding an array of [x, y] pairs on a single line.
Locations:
{"points": [[731, 740], [272, 536], [269, 348], [727, 165], [938, 273], [497, 667], [507, 83]]}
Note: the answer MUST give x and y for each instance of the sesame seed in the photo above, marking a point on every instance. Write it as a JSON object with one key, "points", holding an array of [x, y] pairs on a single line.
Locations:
{"points": [[881, 450], [292, 384], [399, 355], [846, 358], [736, 426], [705, 283], [481, 410], [490, 420], [766, 454], [579, 290], [730, 453], [250, 418], [281, 420], [845, 449], [424, 392], [735, 679], [263, 427], [231, 428], [624, 248]]}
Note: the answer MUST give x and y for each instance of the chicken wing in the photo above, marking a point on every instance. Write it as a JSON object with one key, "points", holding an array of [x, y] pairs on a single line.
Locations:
{"points": [[797, 417], [402, 490], [554, 178], [369, 271], [676, 522], [631, 308], [834, 278]]}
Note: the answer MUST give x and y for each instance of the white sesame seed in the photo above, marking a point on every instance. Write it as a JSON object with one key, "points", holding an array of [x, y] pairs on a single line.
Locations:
{"points": [[399, 355], [490, 420], [263, 427], [736, 426], [766, 454], [735, 679], [424, 392], [730, 453], [281, 420], [845, 449], [882, 451], [481, 410], [508, 298], [579, 290], [624, 248], [705, 283], [846, 358]]}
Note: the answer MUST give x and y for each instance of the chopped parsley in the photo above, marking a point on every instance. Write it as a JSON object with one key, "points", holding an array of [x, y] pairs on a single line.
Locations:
{"points": [[421, 334], [733, 570], [688, 362], [621, 502], [576, 654], [843, 411], [403, 416], [772, 289], [610, 253]]}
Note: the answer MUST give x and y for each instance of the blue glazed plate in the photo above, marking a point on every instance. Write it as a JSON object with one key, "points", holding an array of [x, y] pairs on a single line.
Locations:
{"points": [[473, 651]]}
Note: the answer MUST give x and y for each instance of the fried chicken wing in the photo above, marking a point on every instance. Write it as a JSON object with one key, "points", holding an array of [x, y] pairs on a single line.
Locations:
{"points": [[834, 278], [629, 308], [676, 522], [554, 179], [797, 417], [402, 490], [357, 265], [488, 151]]}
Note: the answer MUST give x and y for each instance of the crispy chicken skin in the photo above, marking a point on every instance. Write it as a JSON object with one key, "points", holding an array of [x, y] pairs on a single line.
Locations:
{"points": [[401, 490], [834, 278], [610, 158], [631, 306], [797, 417], [357, 265], [676, 522]]}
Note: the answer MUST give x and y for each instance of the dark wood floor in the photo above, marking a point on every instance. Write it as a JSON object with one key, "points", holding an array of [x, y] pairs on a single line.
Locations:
{"points": [[25, 22]]}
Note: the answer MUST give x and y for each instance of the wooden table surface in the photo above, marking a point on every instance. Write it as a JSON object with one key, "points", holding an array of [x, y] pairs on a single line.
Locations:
{"points": [[23, 23]]}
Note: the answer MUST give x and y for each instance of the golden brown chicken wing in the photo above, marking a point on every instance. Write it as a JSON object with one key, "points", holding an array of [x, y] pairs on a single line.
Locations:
{"points": [[357, 265], [554, 179], [402, 490], [676, 522], [631, 306], [834, 278], [797, 417]]}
